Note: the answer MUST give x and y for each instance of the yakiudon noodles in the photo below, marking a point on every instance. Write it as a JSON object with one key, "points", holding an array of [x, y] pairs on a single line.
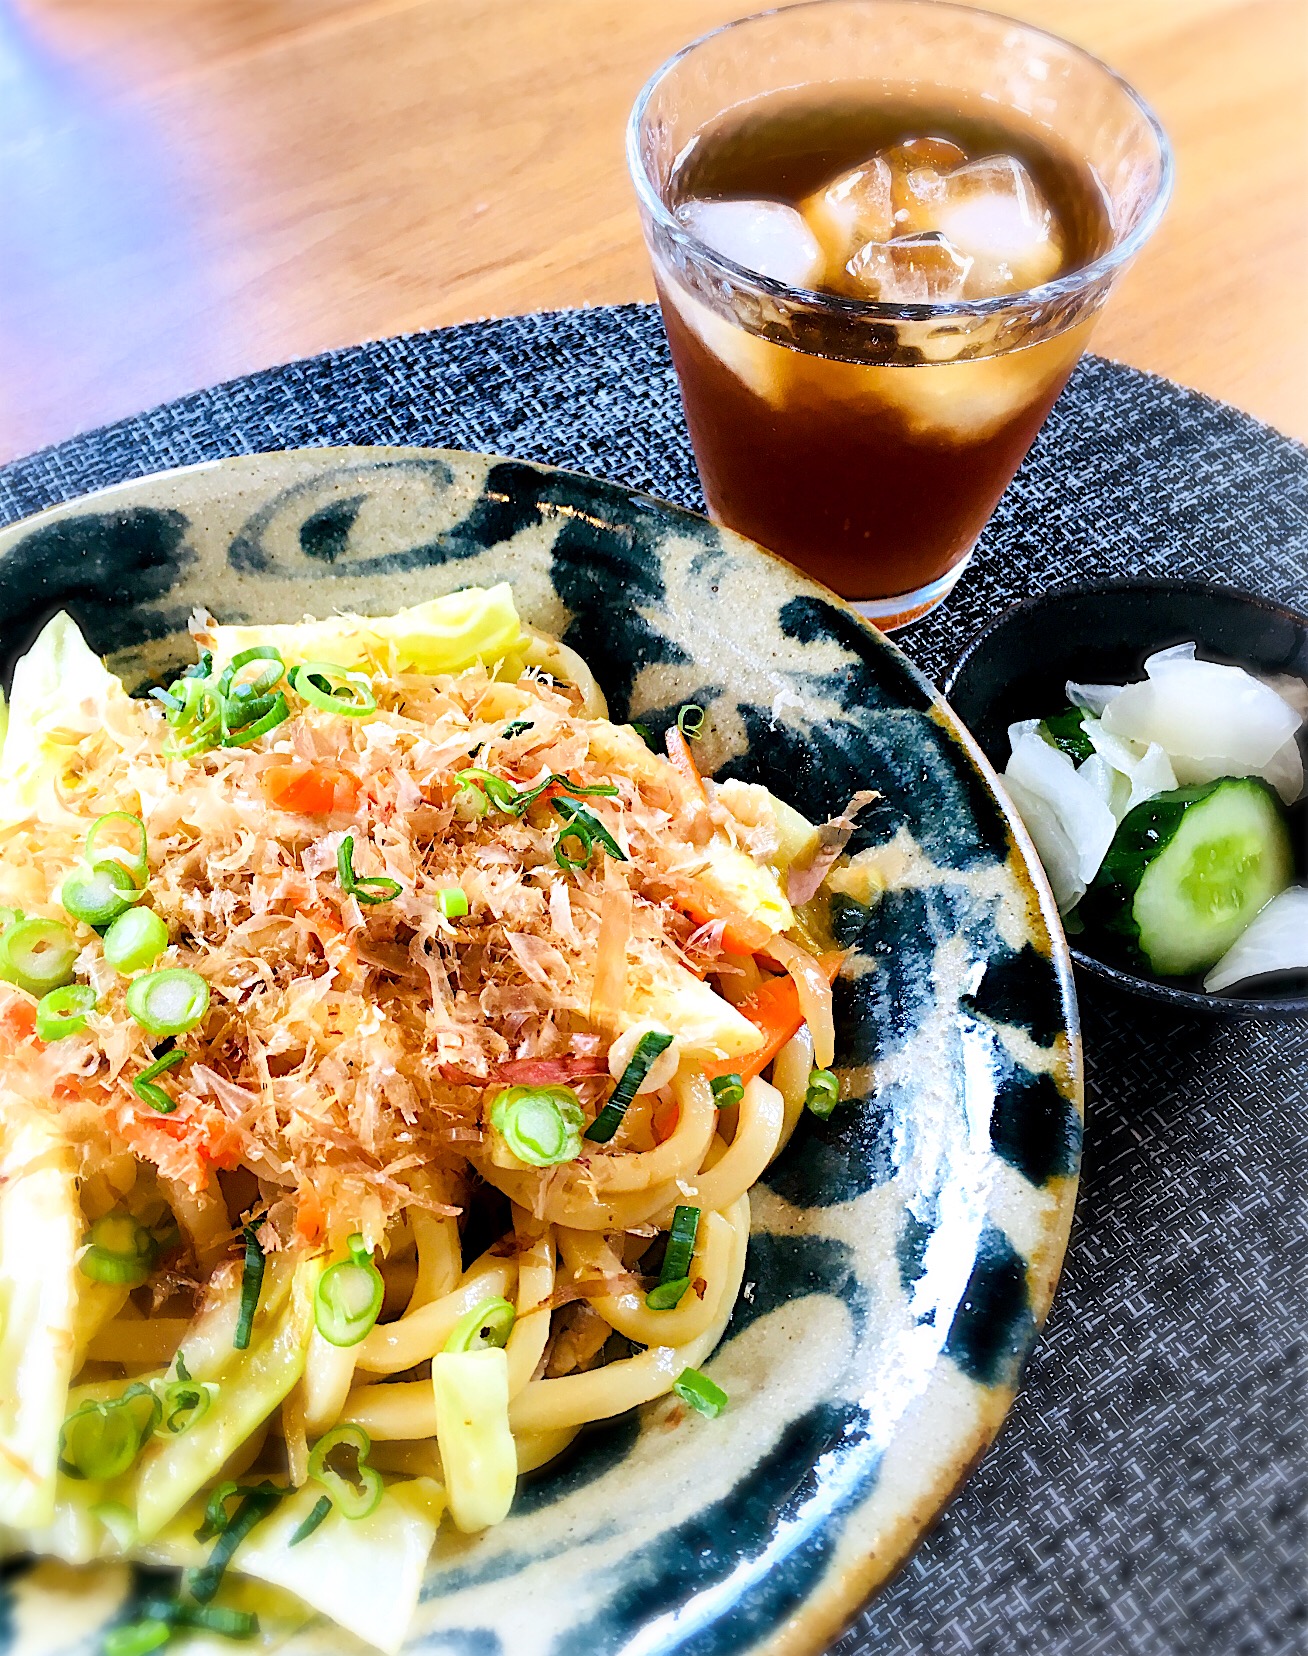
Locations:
{"points": [[388, 1045]]}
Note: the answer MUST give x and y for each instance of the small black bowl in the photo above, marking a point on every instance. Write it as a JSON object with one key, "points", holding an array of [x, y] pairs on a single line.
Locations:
{"points": [[1100, 633]]}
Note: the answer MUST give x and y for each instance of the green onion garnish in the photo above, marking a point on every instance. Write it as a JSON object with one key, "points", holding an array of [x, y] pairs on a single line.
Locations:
{"points": [[690, 721], [646, 735], [607, 1122], [204, 1618], [100, 1441], [37, 955], [823, 1093], [244, 721], [485, 1328], [137, 1638], [586, 831], [539, 1125], [216, 1515], [727, 1090], [135, 940], [138, 863], [98, 895], [183, 1401], [366, 888], [452, 901], [334, 689], [62, 1012], [204, 1583], [168, 1002], [144, 1085], [517, 728], [674, 1278], [356, 1491], [700, 1392], [194, 710], [251, 1283], [348, 1297], [502, 794], [120, 1251], [321, 1507], [261, 683]]}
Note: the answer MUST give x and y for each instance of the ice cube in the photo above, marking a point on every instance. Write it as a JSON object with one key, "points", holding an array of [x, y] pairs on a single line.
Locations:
{"points": [[764, 236], [992, 211], [853, 209], [910, 270]]}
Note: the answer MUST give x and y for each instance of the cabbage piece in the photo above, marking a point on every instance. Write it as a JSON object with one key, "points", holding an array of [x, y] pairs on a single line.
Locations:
{"points": [[61, 694], [444, 635], [1211, 720], [1065, 814], [40, 1233], [172, 1470], [1276, 940], [365, 1573], [1142, 771]]}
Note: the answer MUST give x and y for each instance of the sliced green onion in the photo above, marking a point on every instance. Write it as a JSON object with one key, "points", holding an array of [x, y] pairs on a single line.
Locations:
{"points": [[221, 1619], [348, 1298], [364, 888], [183, 1401], [262, 682], [256, 1506], [727, 1090], [168, 1002], [646, 735], [317, 1513], [681, 1243], [667, 1296], [356, 1491], [201, 669], [823, 1092], [452, 901], [505, 797], [196, 716], [517, 728], [585, 828], [334, 689], [607, 1122], [246, 721], [485, 1328], [139, 862], [539, 1125], [144, 1085], [137, 1638], [135, 940], [674, 1278], [37, 955], [101, 1440], [216, 1515], [700, 1392], [98, 895], [690, 721], [62, 1012], [251, 1283], [8, 916], [120, 1250]]}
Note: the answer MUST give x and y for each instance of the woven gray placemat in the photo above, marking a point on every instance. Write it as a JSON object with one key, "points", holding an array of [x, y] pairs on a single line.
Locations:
{"points": [[1148, 1495]]}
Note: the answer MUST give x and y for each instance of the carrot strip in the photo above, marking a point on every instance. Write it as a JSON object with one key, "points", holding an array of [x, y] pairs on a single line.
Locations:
{"points": [[310, 790], [775, 1011]]}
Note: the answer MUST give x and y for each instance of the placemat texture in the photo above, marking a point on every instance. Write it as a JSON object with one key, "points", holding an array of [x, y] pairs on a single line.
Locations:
{"points": [[1148, 1494]]}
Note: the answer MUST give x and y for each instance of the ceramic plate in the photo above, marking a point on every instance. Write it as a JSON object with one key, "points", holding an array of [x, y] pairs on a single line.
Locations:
{"points": [[904, 1252]]}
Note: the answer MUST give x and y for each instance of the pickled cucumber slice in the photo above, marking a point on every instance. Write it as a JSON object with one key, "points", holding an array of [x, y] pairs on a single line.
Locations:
{"points": [[1189, 869]]}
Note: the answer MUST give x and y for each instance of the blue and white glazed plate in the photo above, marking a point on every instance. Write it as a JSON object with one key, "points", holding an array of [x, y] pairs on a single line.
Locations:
{"points": [[904, 1253]]}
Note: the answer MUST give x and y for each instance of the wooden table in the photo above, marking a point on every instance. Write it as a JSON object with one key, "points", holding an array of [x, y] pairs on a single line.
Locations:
{"points": [[202, 187]]}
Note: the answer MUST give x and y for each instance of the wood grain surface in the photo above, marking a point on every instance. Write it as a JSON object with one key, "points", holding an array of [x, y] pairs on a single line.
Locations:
{"points": [[196, 188]]}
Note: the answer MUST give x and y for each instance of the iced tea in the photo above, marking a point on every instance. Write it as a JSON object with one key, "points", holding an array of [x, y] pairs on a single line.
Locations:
{"points": [[876, 278]]}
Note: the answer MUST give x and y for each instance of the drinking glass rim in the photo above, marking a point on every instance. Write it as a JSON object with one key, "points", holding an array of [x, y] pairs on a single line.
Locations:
{"points": [[875, 310]]}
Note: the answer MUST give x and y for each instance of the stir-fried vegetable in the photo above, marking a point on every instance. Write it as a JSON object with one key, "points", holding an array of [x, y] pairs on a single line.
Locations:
{"points": [[541, 1126], [348, 1298]]}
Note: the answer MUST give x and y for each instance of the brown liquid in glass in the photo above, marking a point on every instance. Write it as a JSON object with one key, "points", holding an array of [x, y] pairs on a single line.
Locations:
{"points": [[830, 472]]}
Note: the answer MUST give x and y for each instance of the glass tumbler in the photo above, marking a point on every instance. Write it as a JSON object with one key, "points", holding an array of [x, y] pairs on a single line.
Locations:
{"points": [[866, 441]]}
